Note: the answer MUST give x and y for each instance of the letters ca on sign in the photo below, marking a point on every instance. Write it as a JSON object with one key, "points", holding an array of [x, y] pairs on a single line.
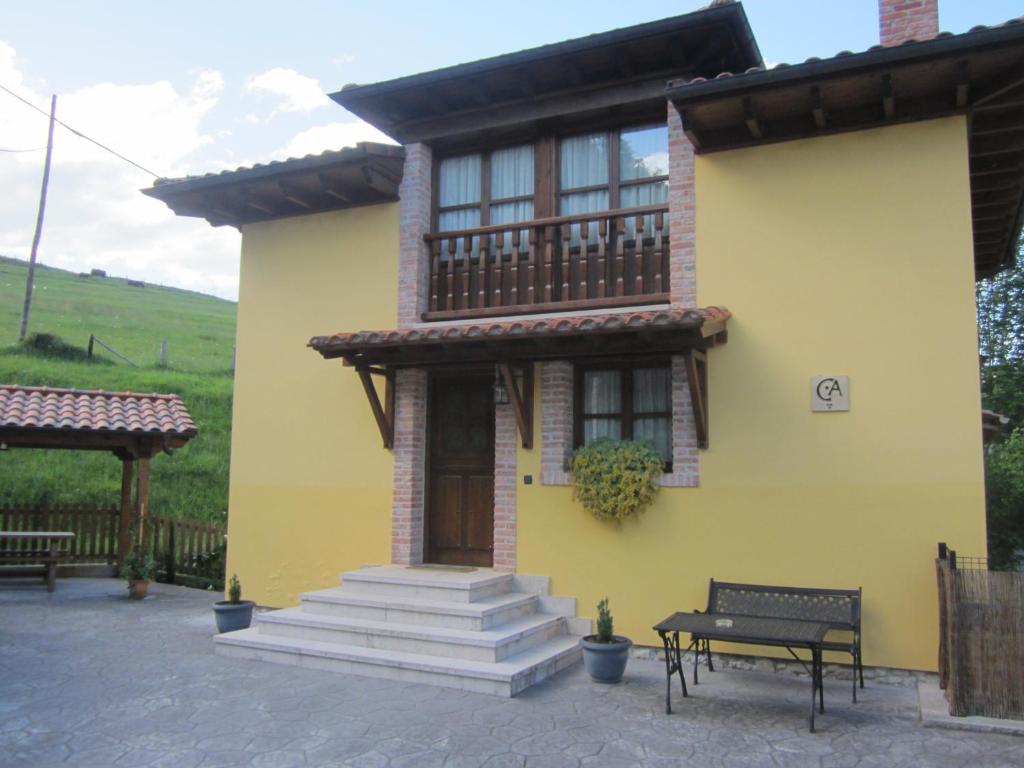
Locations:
{"points": [[830, 393]]}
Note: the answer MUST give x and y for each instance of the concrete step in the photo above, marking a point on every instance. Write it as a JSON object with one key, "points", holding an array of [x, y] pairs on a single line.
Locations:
{"points": [[489, 645], [504, 678], [487, 613], [428, 583]]}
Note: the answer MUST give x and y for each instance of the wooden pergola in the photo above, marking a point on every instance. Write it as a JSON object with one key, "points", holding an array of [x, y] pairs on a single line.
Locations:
{"points": [[134, 427]]}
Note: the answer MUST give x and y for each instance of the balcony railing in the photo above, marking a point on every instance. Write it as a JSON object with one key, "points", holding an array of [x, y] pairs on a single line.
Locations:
{"points": [[610, 258]]}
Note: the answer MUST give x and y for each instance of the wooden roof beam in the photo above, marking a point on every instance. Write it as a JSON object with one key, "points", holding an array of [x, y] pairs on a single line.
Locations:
{"points": [[378, 182], [888, 100], [688, 129], [750, 118], [962, 85], [251, 201], [330, 187], [293, 195], [817, 110]]}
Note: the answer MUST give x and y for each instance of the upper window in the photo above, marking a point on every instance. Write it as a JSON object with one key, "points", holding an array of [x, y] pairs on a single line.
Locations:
{"points": [[490, 188], [625, 402], [621, 169]]}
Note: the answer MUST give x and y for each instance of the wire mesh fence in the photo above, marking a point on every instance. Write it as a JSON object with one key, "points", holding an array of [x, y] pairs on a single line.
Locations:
{"points": [[981, 636]]}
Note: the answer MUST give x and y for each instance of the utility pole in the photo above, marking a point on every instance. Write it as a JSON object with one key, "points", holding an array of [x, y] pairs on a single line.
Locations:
{"points": [[39, 225]]}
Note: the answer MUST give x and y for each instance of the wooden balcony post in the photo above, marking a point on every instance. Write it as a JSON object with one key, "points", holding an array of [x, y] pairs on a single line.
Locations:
{"points": [[124, 542]]}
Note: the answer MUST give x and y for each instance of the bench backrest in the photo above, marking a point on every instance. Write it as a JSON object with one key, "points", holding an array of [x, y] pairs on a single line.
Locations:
{"points": [[840, 608]]}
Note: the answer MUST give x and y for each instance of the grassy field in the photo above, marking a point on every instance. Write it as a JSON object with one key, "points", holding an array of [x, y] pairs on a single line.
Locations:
{"points": [[200, 333]]}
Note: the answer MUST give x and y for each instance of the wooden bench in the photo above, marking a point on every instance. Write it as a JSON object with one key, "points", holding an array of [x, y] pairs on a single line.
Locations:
{"points": [[44, 551], [839, 608]]}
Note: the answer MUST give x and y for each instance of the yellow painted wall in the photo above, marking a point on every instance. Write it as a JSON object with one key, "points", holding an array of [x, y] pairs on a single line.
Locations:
{"points": [[846, 255], [310, 483]]}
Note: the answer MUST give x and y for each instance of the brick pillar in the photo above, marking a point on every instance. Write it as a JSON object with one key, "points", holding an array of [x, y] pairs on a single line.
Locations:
{"points": [[681, 215], [902, 20], [506, 437], [413, 255], [685, 453], [408, 501], [556, 396]]}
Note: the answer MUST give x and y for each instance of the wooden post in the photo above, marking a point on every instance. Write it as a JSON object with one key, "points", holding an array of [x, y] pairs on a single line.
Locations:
{"points": [[141, 499], [124, 542], [163, 353], [27, 306]]}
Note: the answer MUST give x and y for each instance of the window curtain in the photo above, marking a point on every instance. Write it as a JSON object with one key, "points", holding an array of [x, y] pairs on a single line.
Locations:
{"points": [[583, 162], [512, 176], [602, 405], [459, 184], [652, 392]]}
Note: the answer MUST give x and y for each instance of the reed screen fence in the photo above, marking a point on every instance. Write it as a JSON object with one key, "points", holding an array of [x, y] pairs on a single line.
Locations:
{"points": [[981, 637]]}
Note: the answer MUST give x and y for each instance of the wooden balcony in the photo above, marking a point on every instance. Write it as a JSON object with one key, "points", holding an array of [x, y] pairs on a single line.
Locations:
{"points": [[607, 259]]}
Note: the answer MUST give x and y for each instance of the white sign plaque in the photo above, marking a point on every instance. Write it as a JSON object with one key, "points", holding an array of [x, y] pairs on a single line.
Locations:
{"points": [[830, 393]]}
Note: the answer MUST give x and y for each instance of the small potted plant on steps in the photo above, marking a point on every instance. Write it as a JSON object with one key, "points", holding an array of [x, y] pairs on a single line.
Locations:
{"points": [[605, 654], [234, 613], [138, 570]]}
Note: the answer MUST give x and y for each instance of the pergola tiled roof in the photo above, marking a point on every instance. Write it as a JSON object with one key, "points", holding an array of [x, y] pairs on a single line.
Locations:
{"points": [[49, 417], [537, 337]]}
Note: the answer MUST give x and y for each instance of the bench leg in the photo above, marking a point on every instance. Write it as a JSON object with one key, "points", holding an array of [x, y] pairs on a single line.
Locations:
{"points": [[707, 652], [51, 576], [860, 665]]}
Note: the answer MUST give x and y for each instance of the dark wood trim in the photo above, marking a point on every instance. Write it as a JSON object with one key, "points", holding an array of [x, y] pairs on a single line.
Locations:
{"points": [[696, 376], [549, 221], [512, 310], [382, 414], [521, 401]]}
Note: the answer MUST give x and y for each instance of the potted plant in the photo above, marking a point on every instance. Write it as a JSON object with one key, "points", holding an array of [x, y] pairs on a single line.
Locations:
{"points": [[234, 613], [616, 479], [138, 569], [605, 654]]}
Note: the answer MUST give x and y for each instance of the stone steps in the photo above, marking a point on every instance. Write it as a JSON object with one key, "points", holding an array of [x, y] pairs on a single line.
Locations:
{"points": [[505, 678], [471, 628], [481, 615]]}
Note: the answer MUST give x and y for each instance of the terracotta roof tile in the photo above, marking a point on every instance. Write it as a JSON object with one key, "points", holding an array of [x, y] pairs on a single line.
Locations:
{"points": [[93, 411], [537, 327]]}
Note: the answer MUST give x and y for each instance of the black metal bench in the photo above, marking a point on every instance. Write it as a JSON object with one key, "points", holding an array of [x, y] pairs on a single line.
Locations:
{"points": [[839, 608]]}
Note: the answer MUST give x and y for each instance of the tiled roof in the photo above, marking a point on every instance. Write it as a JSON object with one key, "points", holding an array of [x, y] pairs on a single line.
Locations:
{"points": [[525, 328], [842, 54], [93, 411]]}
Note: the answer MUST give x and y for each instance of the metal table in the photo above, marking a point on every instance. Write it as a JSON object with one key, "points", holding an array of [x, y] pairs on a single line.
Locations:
{"points": [[756, 630]]}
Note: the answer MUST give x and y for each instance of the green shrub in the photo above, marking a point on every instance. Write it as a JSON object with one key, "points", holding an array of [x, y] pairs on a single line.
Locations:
{"points": [[234, 590], [616, 479], [605, 625], [138, 566]]}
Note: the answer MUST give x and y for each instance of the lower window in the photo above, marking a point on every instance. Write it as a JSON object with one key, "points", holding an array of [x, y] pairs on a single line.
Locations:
{"points": [[625, 401]]}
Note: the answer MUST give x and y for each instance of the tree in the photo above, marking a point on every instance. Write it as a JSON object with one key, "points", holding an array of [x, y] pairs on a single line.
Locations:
{"points": [[1001, 344]]}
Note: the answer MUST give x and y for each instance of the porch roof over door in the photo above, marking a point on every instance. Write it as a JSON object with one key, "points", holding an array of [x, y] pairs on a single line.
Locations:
{"points": [[663, 331]]}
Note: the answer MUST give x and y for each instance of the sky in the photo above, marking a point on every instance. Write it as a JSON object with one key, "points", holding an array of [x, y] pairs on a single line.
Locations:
{"points": [[199, 86]]}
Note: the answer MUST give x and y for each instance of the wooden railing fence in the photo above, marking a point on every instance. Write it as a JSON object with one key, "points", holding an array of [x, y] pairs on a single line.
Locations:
{"points": [[95, 528], [981, 637], [610, 258], [190, 547]]}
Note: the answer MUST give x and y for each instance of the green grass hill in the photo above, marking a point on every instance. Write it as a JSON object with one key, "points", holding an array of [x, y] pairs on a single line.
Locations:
{"points": [[66, 309]]}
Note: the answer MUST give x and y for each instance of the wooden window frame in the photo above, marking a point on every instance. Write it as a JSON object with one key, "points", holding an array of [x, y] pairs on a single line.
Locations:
{"points": [[485, 202], [615, 181], [627, 415]]}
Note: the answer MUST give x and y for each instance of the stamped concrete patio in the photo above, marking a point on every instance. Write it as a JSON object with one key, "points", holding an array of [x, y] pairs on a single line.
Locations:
{"points": [[88, 678]]}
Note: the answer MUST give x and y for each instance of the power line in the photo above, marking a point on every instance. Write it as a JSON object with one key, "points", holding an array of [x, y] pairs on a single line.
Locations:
{"points": [[79, 133]]}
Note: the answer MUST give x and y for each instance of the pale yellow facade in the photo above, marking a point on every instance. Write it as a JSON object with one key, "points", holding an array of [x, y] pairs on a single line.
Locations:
{"points": [[846, 255]]}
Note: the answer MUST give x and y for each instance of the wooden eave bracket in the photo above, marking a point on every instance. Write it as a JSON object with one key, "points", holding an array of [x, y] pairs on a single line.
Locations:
{"points": [[520, 399], [697, 381], [384, 414]]}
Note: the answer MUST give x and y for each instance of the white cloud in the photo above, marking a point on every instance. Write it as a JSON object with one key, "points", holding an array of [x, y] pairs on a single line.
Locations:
{"points": [[297, 93], [345, 58], [95, 215], [320, 138]]}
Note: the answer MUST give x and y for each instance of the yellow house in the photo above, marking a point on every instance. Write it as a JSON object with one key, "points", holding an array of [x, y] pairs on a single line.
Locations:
{"points": [[766, 272]]}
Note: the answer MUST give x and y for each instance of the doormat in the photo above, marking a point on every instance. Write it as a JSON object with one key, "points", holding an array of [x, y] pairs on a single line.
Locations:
{"points": [[432, 567]]}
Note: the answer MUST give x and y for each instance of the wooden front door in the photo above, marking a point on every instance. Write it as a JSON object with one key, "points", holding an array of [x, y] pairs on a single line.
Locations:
{"points": [[460, 516]]}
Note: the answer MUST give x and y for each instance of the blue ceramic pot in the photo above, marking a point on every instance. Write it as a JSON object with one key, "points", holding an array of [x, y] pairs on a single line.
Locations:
{"points": [[233, 616], [606, 662]]}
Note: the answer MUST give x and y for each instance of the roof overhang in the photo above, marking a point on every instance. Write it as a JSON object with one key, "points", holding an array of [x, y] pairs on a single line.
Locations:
{"points": [[366, 174], [624, 70], [664, 331], [979, 74]]}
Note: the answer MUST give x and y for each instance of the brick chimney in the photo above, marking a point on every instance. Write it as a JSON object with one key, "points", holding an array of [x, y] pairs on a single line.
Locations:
{"points": [[901, 20]]}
